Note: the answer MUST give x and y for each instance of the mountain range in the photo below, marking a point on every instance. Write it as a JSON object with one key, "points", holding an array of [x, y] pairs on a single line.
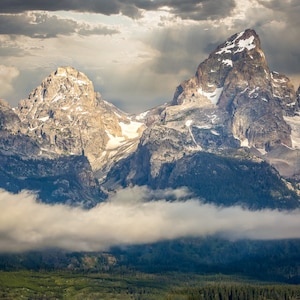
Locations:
{"points": [[231, 135]]}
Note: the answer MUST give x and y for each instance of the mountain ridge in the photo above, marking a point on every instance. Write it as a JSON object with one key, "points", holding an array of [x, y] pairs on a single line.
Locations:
{"points": [[234, 108]]}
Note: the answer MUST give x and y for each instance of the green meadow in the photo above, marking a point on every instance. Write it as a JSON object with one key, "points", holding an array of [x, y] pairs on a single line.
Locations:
{"points": [[135, 285]]}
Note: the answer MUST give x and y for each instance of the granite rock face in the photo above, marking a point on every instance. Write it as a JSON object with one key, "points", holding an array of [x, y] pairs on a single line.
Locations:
{"points": [[65, 116], [59, 179]]}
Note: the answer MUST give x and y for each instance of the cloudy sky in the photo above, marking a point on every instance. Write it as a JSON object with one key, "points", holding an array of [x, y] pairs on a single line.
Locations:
{"points": [[135, 51]]}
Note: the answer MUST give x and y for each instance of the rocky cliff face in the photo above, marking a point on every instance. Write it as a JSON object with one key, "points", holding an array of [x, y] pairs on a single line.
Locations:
{"points": [[65, 116], [61, 179], [65, 180], [235, 78], [9, 121]]}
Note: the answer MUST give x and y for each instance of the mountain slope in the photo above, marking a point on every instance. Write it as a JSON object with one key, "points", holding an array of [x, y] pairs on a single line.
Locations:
{"points": [[61, 179]]}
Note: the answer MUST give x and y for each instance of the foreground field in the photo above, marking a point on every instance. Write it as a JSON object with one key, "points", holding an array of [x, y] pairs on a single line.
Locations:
{"points": [[173, 286]]}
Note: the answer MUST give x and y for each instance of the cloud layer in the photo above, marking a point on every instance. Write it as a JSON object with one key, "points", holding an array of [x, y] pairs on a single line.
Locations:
{"points": [[130, 218], [42, 25], [190, 9]]}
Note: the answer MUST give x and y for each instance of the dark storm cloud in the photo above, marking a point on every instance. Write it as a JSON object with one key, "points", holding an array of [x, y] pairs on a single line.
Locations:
{"points": [[287, 11], [181, 49], [42, 25], [190, 9], [284, 49], [35, 25], [202, 10]]}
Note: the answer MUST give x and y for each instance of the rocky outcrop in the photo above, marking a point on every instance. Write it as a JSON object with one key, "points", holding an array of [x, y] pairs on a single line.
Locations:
{"points": [[11, 140], [235, 78], [65, 180], [65, 116], [9, 121]]}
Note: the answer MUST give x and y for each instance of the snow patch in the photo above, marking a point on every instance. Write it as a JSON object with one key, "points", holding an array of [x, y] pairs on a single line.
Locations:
{"points": [[280, 80], [262, 151], [142, 115], [294, 123], [229, 45], [188, 123], [245, 90], [245, 143], [44, 119], [242, 44], [291, 104], [226, 49], [204, 127], [214, 96], [62, 74], [245, 44], [227, 62], [114, 141], [277, 96], [118, 115], [56, 98], [80, 82], [131, 130], [253, 93], [214, 132]]}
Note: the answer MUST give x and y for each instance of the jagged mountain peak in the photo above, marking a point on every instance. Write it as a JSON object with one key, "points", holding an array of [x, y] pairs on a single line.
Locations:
{"points": [[239, 42], [241, 51], [67, 71], [65, 116], [236, 79], [66, 88]]}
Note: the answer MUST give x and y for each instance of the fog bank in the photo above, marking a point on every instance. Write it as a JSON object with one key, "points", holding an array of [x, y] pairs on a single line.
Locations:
{"points": [[130, 217]]}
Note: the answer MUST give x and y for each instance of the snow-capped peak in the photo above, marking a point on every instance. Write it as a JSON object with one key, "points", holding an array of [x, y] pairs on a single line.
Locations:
{"points": [[245, 40]]}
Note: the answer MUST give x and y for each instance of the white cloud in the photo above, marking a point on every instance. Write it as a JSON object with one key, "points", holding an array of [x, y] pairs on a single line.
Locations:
{"points": [[127, 218]]}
